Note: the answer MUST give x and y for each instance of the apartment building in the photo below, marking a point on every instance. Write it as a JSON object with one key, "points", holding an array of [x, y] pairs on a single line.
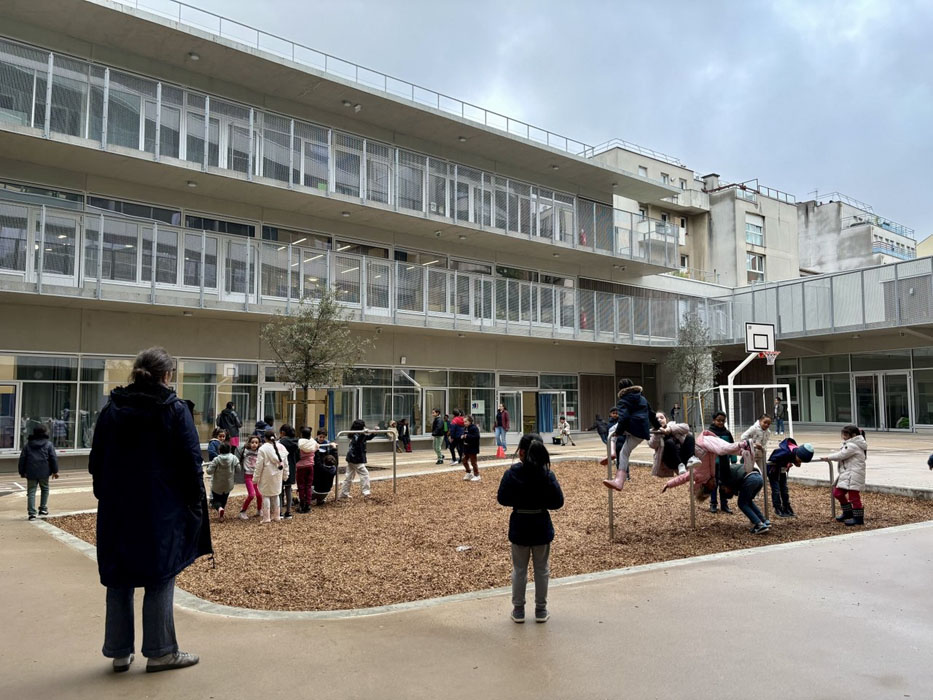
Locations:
{"points": [[163, 183], [838, 232]]}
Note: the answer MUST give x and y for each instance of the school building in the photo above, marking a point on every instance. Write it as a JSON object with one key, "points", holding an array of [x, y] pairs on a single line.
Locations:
{"points": [[172, 177]]}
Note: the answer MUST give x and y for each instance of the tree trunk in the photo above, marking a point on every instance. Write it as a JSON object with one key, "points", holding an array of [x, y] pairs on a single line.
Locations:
{"points": [[304, 408]]}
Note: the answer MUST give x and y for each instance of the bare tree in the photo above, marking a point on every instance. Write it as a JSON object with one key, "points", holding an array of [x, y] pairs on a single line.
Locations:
{"points": [[313, 345], [694, 362]]}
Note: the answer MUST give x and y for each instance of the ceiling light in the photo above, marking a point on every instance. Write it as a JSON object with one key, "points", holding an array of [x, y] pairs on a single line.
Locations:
{"points": [[461, 237], [615, 184], [347, 103], [555, 167], [187, 313], [282, 247], [556, 255], [357, 108], [316, 257], [300, 240], [62, 235], [431, 262], [192, 184], [462, 139], [192, 56], [295, 264], [352, 269], [461, 335], [344, 214], [343, 248]]}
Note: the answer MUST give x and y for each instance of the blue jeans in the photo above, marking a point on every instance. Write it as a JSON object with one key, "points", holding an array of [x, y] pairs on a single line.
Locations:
{"points": [[779, 425], [747, 492], [500, 437], [158, 621]]}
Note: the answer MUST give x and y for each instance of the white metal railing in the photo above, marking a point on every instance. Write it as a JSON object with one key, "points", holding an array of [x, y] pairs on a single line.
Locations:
{"points": [[879, 221], [111, 109]]}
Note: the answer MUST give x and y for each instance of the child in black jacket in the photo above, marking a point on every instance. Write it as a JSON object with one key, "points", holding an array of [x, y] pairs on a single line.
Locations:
{"points": [[470, 443], [356, 460], [530, 488]]}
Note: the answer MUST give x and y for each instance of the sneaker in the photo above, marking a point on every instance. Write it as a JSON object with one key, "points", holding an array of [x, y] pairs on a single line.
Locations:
{"points": [[287, 516], [726, 509], [43, 512], [454, 462], [790, 513], [713, 508], [468, 476], [367, 494], [542, 615], [476, 477], [681, 469], [32, 517], [243, 515], [518, 614], [220, 513], [180, 659], [122, 663], [693, 461], [767, 523], [440, 461], [784, 514], [760, 528]]}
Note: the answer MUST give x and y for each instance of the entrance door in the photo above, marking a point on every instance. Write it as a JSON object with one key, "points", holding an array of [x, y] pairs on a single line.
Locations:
{"points": [[867, 399], [8, 417], [513, 404], [551, 406], [433, 398], [277, 403], [882, 401], [896, 399]]}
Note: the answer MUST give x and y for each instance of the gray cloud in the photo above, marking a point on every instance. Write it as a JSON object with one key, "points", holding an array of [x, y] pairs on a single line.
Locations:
{"points": [[802, 94]]}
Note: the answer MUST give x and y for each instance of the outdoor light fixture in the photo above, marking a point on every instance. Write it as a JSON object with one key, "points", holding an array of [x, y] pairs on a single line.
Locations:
{"points": [[556, 255], [187, 313], [192, 56], [344, 214], [462, 139], [347, 103], [461, 335], [192, 184], [555, 167], [461, 237], [438, 233]]}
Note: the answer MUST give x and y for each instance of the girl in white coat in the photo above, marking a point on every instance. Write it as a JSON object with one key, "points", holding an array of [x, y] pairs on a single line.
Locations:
{"points": [[758, 435], [851, 480], [271, 471]]}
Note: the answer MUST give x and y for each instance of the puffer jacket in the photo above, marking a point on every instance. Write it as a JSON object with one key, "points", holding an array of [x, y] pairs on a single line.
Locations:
{"points": [[271, 469], [38, 459], [852, 459], [635, 414], [678, 431], [757, 434], [709, 446], [221, 470], [307, 448]]}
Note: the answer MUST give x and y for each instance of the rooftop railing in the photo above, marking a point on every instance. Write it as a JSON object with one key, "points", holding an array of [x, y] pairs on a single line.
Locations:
{"points": [[629, 146], [875, 220], [111, 109]]}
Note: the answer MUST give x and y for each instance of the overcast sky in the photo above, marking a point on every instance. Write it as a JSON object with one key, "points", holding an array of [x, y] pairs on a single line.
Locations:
{"points": [[803, 94]]}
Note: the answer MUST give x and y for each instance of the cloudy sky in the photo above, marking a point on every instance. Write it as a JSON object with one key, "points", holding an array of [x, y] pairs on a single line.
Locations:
{"points": [[802, 94]]}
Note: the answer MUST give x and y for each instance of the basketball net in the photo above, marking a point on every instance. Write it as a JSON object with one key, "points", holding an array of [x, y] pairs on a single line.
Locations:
{"points": [[770, 355]]}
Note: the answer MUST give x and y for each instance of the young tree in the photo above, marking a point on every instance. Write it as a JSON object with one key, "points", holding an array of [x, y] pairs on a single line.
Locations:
{"points": [[313, 345], [694, 362]]}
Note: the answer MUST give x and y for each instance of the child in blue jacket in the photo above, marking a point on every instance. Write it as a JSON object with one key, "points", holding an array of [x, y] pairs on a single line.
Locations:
{"points": [[788, 454], [530, 488], [636, 420]]}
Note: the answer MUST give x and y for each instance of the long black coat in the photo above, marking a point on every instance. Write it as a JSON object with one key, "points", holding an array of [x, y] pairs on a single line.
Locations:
{"points": [[531, 492], [291, 446], [152, 507]]}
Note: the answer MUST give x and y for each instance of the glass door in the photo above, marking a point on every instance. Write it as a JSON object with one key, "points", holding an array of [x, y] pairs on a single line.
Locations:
{"points": [[896, 399], [8, 417], [278, 404], [867, 397], [342, 409], [513, 404]]}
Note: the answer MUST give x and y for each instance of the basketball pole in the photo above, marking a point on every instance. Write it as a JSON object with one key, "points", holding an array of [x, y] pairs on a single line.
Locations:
{"points": [[730, 391]]}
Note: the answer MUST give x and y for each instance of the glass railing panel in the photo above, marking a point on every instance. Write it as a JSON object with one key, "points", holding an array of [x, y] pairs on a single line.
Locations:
{"points": [[14, 233], [438, 284], [57, 255], [70, 95], [347, 279], [641, 317], [847, 300], [468, 194], [380, 172], [131, 111], [315, 265], [563, 218], [23, 72], [412, 180], [604, 229], [311, 159], [273, 270], [790, 298], [170, 122], [378, 285], [410, 280], [586, 304], [914, 292], [817, 300], [272, 149]]}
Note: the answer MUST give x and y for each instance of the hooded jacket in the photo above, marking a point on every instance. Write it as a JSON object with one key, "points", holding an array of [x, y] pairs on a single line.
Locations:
{"points": [[471, 439], [356, 453], [531, 492], [229, 421], [271, 469], [291, 446], [38, 459], [152, 517], [307, 449], [635, 414], [456, 427], [221, 469], [852, 458]]}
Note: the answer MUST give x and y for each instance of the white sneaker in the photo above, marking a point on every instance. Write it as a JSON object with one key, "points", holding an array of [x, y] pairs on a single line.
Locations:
{"points": [[243, 515], [467, 476], [475, 478], [693, 461], [681, 469]]}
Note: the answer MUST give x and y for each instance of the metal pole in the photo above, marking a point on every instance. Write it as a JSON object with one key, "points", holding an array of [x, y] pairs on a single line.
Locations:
{"points": [[152, 266], [104, 117], [201, 267], [832, 500], [731, 381], [693, 505], [41, 246], [291, 155], [249, 156], [207, 138], [47, 126], [612, 522], [100, 255], [764, 484]]}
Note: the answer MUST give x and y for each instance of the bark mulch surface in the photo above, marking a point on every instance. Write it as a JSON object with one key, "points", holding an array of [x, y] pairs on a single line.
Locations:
{"points": [[381, 550]]}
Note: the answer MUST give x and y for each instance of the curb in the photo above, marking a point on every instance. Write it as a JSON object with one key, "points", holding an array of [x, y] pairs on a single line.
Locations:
{"points": [[908, 491]]}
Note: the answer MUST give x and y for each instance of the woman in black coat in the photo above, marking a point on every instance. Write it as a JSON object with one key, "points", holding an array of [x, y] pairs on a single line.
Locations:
{"points": [[152, 509]]}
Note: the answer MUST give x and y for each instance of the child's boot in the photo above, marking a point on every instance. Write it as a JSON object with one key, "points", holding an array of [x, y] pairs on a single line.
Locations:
{"points": [[846, 513], [858, 517]]}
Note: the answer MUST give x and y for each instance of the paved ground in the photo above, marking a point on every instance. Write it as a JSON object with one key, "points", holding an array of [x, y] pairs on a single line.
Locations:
{"points": [[833, 618]]}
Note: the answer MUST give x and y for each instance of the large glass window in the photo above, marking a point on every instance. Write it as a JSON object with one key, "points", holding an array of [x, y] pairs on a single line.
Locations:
{"points": [[923, 395], [50, 404], [754, 229], [13, 234], [58, 250]]}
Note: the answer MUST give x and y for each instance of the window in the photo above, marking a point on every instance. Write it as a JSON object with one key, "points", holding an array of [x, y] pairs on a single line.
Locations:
{"points": [[754, 229], [683, 223], [684, 262], [219, 226], [755, 265], [665, 178], [642, 213], [642, 171], [665, 216], [141, 211], [683, 184]]}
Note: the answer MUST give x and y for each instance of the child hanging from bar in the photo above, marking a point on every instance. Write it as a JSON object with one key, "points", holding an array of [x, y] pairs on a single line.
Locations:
{"points": [[674, 448], [788, 454], [636, 419], [852, 458], [708, 447]]}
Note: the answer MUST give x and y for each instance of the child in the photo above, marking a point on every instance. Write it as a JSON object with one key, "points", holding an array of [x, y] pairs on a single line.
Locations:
{"points": [[563, 429], [37, 462], [454, 436], [708, 448], [397, 444], [437, 434], [271, 471], [470, 448], [530, 488], [673, 447], [325, 467], [288, 441], [851, 480], [635, 422], [404, 434], [249, 457], [356, 460], [787, 455], [304, 466], [218, 436], [221, 470], [759, 434], [718, 427], [746, 481]]}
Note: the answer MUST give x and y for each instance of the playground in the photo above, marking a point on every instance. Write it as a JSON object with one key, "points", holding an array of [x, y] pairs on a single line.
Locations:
{"points": [[440, 536]]}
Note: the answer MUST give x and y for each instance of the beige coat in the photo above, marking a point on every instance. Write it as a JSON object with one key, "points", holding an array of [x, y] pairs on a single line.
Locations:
{"points": [[268, 477], [852, 460]]}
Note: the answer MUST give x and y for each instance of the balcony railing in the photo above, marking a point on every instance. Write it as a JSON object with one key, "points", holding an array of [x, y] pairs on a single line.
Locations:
{"points": [[896, 251], [94, 255], [110, 109], [867, 218]]}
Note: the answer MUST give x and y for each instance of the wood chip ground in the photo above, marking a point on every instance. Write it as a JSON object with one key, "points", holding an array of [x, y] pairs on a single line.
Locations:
{"points": [[385, 549]]}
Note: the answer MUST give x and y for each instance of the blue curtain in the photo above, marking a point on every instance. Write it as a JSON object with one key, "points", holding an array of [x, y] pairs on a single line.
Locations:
{"points": [[545, 414]]}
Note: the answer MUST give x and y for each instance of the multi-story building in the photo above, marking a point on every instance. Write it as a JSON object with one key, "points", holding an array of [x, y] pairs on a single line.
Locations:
{"points": [[162, 183], [838, 232]]}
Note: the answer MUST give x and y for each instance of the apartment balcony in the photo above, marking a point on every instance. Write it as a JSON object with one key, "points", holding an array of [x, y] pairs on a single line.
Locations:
{"points": [[688, 201], [61, 253], [120, 126]]}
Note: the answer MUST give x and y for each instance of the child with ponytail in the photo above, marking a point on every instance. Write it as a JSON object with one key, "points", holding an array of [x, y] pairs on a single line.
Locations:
{"points": [[271, 471], [530, 488], [851, 459]]}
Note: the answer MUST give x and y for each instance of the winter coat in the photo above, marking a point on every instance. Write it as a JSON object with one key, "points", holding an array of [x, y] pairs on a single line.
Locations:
{"points": [[757, 434], [249, 460], [563, 428], [503, 420], [852, 460], [733, 477], [456, 428], [213, 448], [152, 516], [38, 460], [221, 470], [635, 414], [601, 427], [291, 446], [271, 469], [229, 421], [437, 427], [471, 440], [783, 458], [323, 479], [531, 492], [778, 411], [678, 431], [709, 446], [307, 449], [356, 453]]}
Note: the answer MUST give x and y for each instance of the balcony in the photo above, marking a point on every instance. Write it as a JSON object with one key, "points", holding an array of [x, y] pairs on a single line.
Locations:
{"points": [[893, 250], [231, 148], [95, 256], [688, 201]]}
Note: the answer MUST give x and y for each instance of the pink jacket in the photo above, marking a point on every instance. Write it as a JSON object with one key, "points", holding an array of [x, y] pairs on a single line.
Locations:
{"points": [[708, 447], [678, 431]]}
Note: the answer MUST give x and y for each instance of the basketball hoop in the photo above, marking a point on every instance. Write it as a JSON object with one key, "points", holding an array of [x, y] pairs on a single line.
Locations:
{"points": [[769, 355]]}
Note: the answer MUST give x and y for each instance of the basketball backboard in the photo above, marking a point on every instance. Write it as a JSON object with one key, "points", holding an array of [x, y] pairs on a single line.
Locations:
{"points": [[759, 337]]}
